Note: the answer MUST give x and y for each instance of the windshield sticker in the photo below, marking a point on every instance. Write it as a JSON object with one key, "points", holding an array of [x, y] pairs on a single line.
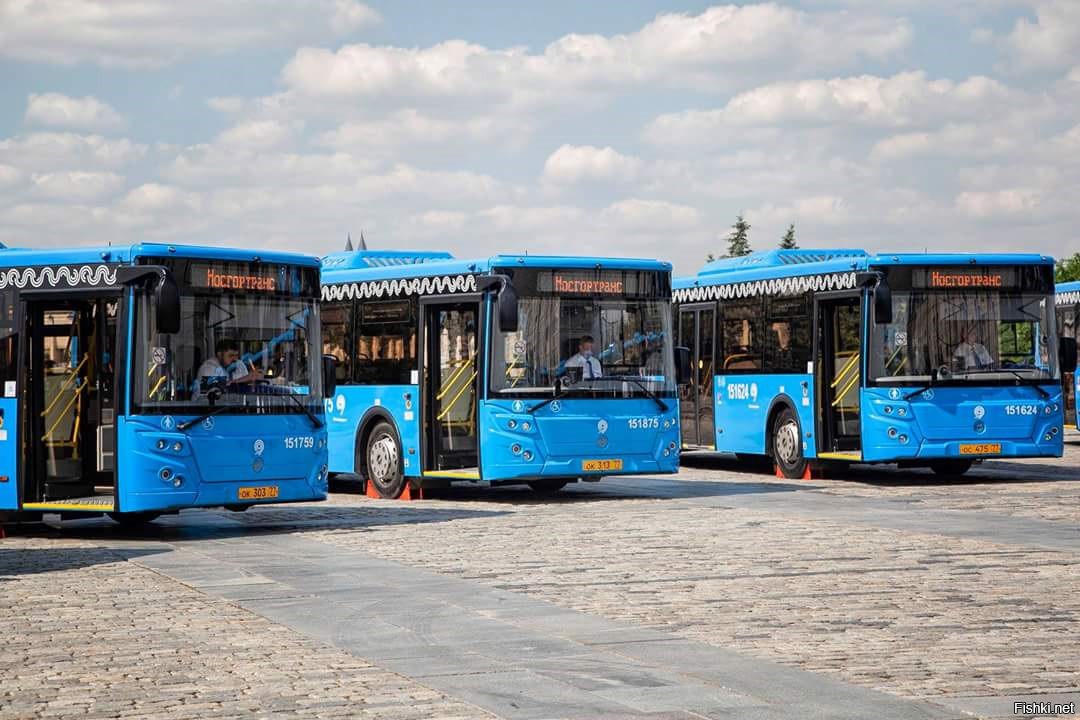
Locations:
{"points": [[158, 355], [9, 388], [900, 339]]}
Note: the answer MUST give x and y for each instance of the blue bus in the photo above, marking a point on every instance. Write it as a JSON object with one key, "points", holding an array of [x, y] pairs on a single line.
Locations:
{"points": [[1068, 316], [504, 370], [145, 379], [933, 360]]}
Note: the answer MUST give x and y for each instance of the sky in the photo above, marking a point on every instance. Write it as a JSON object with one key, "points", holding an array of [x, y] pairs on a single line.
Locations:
{"points": [[629, 128]]}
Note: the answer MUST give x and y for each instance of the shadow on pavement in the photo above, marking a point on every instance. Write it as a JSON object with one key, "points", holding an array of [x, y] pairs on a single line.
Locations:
{"points": [[214, 524], [16, 561]]}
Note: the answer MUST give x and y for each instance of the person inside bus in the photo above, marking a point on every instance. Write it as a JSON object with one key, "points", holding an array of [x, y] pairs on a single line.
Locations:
{"points": [[586, 360], [226, 363], [972, 354]]}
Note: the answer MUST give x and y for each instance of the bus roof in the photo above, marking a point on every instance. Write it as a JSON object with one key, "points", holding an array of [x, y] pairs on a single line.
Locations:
{"points": [[1072, 286], [792, 263], [389, 264], [20, 257], [1068, 293]]}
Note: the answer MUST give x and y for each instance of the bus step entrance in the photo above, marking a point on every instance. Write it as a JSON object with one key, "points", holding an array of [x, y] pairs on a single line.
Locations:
{"points": [[92, 503]]}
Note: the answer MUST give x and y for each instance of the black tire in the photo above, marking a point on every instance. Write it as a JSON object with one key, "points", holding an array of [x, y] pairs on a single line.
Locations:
{"points": [[382, 461], [547, 487], [134, 519], [950, 468], [787, 449], [238, 508]]}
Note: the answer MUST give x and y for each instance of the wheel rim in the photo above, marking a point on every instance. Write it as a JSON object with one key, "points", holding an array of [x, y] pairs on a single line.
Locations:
{"points": [[382, 459], [787, 443]]}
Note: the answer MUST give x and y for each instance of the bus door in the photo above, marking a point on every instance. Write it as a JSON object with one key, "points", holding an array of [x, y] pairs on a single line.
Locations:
{"points": [[697, 328], [450, 397], [838, 361], [69, 415]]}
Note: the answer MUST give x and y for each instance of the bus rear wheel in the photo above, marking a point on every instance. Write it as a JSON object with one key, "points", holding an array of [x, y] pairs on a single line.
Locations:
{"points": [[950, 468], [383, 454], [787, 445], [547, 487], [134, 519]]}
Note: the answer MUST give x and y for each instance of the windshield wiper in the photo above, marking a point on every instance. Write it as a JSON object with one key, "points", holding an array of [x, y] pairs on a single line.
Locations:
{"points": [[315, 421], [924, 388], [212, 396], [641, 384], [556, 394], [296, 400], [1021, 380]]}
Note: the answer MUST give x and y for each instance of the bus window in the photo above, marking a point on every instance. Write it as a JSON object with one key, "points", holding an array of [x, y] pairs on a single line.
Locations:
{"points": [[787, 335], [742, 335], [385, 349], [337, 333]]}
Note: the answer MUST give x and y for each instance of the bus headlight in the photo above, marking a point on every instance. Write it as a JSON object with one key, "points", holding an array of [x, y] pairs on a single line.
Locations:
{"points": [[893, 432], [515, 448], [1048, 437], [888, 409], [162, 443], [511, 423], [527, 455], [903, 439], [165, 474], [980, 426], [178, 481], [526, 426]]}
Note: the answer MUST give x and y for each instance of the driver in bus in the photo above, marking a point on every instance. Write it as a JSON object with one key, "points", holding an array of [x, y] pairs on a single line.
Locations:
{"points": [[971, 353], [226, 363], [586, 360]]}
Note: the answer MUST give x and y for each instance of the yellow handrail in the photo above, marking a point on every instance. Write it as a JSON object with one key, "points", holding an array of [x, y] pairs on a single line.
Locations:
{"points": [[158, 384], [464, 387], [448, 385], [840, 376], [60, 416], [74, 374], [840, 395]]}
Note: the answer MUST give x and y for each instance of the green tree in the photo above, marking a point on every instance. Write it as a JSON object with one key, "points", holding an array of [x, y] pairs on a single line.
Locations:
{"points": [[1068, 269], [739, 241], [788, 241], [709, 257]]}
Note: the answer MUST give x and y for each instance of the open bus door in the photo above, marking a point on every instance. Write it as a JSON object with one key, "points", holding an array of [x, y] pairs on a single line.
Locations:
{"points": [[68, 410], [838, 362], [450, 389], [697, 330]]}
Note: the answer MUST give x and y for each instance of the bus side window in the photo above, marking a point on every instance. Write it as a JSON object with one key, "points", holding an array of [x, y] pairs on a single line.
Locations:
{"points": [[787, 335], [742, 334], [336, 337], [385, 344]]}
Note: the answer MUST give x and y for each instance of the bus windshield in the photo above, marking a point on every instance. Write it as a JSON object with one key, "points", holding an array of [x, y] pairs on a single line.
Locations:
{"points": [[959, 326], [245, 340], [603, 333]]}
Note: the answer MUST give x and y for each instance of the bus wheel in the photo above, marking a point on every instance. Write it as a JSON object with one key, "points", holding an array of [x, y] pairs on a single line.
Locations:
{"points": [[547, 487], [238, 508], [384, 462], [954, 468], [787, 445], [134, 519]]}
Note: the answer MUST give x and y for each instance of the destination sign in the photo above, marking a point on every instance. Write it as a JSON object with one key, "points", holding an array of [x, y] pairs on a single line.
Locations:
{"points": [[620, 283], [224, 277], [1022, 278], [949, 279]]}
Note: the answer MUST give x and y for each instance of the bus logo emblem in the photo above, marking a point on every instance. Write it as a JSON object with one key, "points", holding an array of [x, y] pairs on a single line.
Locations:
{"points": [[208, 423], [555, 406], [980, 412], [518, 406], [894, 394], [341, 403], [601, 427], [167, 422], [259, 446]]}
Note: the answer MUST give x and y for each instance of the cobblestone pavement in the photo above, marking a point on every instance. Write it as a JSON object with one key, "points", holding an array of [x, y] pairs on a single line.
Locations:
{"points": [[849, 578], [912, 613], [87, 634]]}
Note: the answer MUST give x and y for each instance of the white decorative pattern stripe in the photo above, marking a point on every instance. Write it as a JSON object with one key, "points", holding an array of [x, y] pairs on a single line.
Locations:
{"points": [[433, 285], [796, 285], [1069, 298], [58, 276]]}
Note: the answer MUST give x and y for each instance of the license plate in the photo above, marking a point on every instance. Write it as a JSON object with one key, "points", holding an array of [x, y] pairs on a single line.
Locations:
{"points": [[601, 465], [262, 492], [981, 449]]}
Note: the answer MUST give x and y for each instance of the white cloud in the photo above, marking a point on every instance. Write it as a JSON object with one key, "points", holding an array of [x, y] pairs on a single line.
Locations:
{"points": [[999, 203], [75, 185], [902, 100], [576, 163], [637, 215], [9, 176], [85, 113], [1052, 40], [255, 135], [149, 33], [56, 151], [718, 48]]}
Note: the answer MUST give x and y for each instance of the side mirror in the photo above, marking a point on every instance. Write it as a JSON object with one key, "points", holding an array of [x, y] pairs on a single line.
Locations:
{"points": [[167, 305], [1067, 354], [882, 302], [683, 372], [329, 375], [507, 303]]}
